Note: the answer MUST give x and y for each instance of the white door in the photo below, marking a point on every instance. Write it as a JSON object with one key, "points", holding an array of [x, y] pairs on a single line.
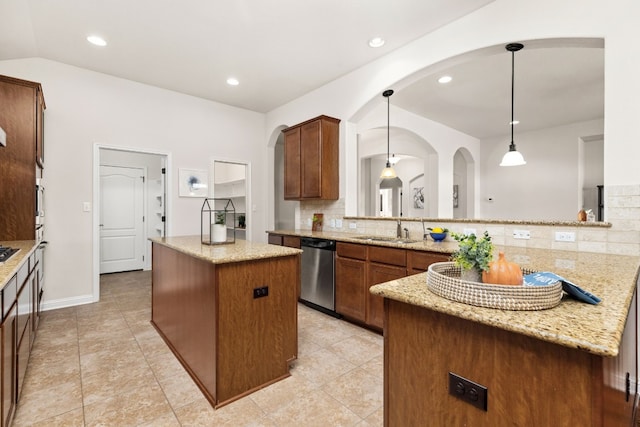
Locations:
{"points": [[121, 219]]}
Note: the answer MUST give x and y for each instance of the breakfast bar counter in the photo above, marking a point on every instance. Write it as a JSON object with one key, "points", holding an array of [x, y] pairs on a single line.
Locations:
{"points": [[228, 312], [574, 364]]}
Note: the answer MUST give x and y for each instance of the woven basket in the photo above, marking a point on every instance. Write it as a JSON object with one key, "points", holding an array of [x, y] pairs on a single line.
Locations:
{"points": [[443, 278]]}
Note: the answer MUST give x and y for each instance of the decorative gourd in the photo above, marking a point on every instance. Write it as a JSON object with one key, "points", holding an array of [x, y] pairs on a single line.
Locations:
{"points": [[503, 272]]}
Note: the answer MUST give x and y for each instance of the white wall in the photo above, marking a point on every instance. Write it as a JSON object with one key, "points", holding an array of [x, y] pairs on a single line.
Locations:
{"points": [[548, 187], [500, 22], [85, 108]]}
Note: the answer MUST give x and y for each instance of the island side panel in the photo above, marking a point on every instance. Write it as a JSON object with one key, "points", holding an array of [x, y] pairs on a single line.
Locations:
{"points": [[184, 309], [257, 336], [530, 382]]}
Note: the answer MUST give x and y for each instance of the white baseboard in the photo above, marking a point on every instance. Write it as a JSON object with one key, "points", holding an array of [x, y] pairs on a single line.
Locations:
{"points": [[67, 302]]}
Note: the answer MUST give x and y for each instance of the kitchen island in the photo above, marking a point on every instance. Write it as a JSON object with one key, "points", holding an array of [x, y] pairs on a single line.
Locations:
{"points": [[228, 312], [574, 364]]}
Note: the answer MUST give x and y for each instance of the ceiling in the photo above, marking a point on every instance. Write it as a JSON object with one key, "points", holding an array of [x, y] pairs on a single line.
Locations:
{"points": [[278, 49], [556, 82]]}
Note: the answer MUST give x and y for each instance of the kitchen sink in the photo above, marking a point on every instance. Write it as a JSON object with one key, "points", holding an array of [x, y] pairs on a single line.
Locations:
{"points": [[386, 239]]}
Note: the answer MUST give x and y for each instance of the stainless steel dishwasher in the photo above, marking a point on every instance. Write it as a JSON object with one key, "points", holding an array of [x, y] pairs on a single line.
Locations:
{"points": [[317, 288]]}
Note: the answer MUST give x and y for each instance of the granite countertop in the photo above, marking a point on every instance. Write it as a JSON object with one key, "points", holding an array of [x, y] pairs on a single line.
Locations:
{"points": [[593, 328], [239, 251], [445, 247], [11, 266], [596, 329]]}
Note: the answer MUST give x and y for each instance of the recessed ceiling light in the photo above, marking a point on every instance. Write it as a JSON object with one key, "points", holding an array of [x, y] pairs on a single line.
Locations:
{"points": [[376, 42], [97, 40], [445, 79], [515, 122], [232, 81]]}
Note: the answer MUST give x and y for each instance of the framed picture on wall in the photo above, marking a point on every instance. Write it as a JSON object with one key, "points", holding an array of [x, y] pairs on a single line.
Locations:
{"points": [[455, 195], [418, 198], [193, 183]]}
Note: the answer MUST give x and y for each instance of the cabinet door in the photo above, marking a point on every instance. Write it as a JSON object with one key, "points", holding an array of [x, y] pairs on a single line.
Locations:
{"points": [[40, 128], [380, 273], [311, 163], [351, 287], [8, 339], [292, 167]]}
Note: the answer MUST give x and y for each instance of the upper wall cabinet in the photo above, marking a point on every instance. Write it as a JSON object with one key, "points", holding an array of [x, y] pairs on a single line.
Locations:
{"points": [[311, 160], [21, 117]]}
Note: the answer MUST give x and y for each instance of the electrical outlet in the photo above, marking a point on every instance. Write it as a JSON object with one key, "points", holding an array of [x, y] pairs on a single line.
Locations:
{"points": [[565, 236], [468, 391], [521, 234], [261, 292], [468, 231]]}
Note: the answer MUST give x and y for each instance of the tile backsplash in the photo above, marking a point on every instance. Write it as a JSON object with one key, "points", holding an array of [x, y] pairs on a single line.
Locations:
{"points": [[621, 236]]}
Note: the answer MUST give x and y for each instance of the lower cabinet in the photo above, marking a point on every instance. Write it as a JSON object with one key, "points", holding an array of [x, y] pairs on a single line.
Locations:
{"points": [[20, 307], [351, 281], [358, 267], [8, 357]]}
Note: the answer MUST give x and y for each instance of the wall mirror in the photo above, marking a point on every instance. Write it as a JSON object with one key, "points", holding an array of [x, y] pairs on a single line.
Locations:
{"points": [[230, 180], [450, 137]]}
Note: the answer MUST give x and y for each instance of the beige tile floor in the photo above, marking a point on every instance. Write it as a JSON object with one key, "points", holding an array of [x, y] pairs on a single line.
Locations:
{"points": [[103, 364]]}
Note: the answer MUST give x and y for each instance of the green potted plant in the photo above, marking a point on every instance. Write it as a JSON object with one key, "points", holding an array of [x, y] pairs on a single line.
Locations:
{"points": [[473, 255], [219, 228]]}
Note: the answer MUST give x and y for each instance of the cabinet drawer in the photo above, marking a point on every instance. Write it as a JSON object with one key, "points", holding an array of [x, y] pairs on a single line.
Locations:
{"points": [[351, 250], [275, 239], [291, 241], [389, 256], [420, 260]]}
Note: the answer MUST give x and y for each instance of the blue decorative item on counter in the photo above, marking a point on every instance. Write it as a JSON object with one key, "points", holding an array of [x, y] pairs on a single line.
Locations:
{"points": [[546, 278]]}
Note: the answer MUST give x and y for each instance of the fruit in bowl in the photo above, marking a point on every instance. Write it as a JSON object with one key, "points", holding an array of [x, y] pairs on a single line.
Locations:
{"points": [[438, 234]]}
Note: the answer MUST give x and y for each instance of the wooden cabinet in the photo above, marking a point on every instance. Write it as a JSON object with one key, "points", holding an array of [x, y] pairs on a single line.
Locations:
{"points": [[8, 357], [17, 332], [282, 240], [530, 382], [21, 117], [351, 280], [419, 261], [358, 267], [231, 339], [311, 154], [385, 264]]}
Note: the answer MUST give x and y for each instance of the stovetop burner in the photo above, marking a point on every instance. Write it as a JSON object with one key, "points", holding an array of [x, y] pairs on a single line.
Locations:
{"points": [[5, 253]]}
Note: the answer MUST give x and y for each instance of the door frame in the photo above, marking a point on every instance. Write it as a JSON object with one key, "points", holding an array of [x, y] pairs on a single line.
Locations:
{"points": [[95, 297]]}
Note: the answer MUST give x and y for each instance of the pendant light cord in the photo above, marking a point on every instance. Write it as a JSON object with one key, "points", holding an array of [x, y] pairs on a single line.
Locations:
{"points": [[387, 93], [513, 60]]}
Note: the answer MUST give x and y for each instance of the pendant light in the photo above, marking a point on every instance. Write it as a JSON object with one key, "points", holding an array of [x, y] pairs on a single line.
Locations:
{"points": [[388, 172], [513, 157]]}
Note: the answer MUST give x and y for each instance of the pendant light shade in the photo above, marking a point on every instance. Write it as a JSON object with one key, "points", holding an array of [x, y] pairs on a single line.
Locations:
{"points": [[388, 172], [513, 157]]}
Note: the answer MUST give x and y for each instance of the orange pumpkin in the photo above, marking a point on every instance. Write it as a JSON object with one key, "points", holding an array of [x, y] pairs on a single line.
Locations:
{"points": [[503, 272]]}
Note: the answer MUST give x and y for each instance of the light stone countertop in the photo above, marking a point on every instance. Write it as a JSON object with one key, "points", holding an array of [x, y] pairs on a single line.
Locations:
{"points": [[596, 329], [11, 266], [239, 251]]}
